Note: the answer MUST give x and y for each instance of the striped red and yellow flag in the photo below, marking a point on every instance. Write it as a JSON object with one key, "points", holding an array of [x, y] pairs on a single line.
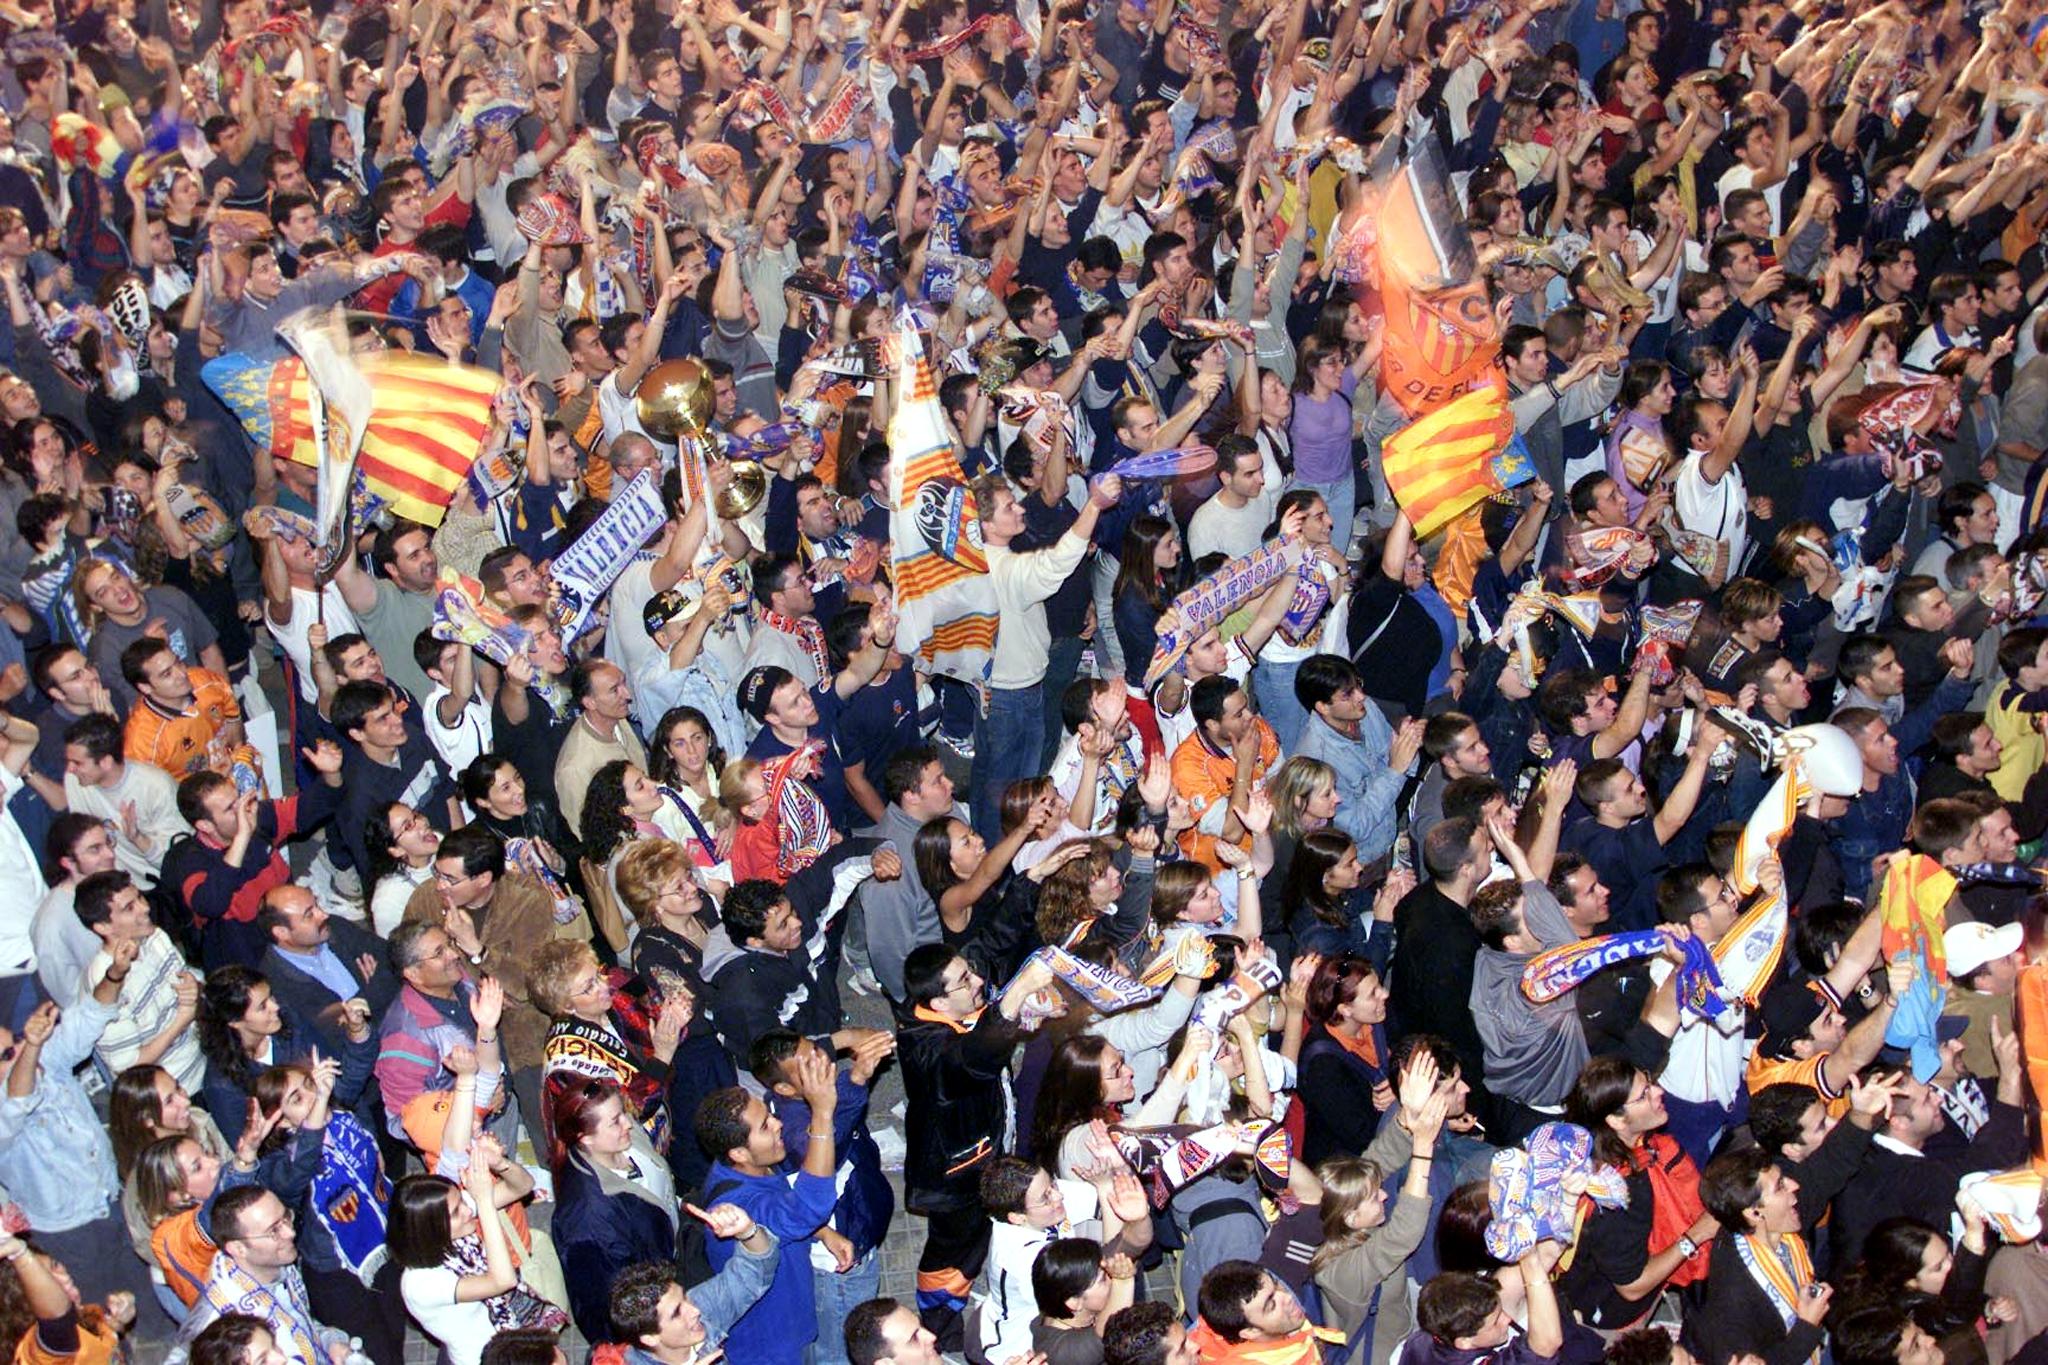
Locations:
{"points": [[1441, 464], [426, 426]]}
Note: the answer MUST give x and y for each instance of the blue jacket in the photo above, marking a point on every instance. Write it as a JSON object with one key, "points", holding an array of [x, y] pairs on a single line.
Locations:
{"points": [[778, 1329], [228, 1102], [599, 1233], [1367, 789], [866, 1202]]}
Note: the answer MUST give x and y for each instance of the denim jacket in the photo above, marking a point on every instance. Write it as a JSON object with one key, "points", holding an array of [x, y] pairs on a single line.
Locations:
{"points": [[1366, 787], [55, 1158]]}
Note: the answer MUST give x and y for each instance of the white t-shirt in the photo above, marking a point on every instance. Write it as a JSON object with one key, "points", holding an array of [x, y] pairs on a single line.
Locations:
{"points": [[461, 742], [626, 641], [1741, 177], [291, 636], [387, 902], [463, 1329], [1236, 530], [1708, 1057], [1720, 510]]}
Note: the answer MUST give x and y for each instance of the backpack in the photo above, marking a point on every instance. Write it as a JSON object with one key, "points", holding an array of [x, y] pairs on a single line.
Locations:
{"points": [[693, 1239]]}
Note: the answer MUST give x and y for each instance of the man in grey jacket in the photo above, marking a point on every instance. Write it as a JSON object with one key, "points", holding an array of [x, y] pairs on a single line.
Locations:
{"points": [[661, 1323], [900, 914], [1533, 1052]]}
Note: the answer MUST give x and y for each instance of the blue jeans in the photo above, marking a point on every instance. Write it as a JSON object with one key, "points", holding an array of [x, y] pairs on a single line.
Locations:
{"points": [[1062, 666], [1273, 686], [836, 1296], [1006, 743]]}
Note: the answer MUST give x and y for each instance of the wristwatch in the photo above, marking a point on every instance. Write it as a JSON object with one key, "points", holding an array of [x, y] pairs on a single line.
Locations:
{"points": [[1687, 1247]]}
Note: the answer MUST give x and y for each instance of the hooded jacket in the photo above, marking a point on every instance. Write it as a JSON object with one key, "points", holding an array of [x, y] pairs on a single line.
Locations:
{"points": [[1533, 1052]]}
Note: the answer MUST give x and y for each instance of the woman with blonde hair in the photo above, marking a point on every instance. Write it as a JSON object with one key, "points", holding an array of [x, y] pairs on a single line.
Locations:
{"points": [[659, 889], [1366, 1245], [606, 1023]]}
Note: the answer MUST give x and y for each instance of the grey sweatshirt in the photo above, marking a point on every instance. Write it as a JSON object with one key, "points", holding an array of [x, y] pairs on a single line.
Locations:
{"points": [[1533, 1052]]}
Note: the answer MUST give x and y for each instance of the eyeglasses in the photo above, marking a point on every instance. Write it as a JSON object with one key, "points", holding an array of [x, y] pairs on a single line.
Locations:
{"points": [[275, 1230], [452, 878]]}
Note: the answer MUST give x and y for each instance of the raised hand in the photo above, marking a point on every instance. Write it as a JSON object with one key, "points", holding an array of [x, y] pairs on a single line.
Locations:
{"points": [[1294, 995], [1157, 783], [670, 1024], [727, 1222], [255, 1128], [487, 1006], [1407, 743], [1257, 815], [1126, 1196], [868, 1055], [460, 1059], [325, 1071], [817, 1079], [40, 1025], [1418, 1083]]}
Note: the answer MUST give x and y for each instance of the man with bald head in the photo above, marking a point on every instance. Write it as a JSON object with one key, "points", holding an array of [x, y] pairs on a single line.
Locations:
{"points": [[316, 964]]}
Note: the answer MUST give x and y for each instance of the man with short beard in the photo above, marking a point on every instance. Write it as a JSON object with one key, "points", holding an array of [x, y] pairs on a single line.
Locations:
{"points": [[78, 846]]}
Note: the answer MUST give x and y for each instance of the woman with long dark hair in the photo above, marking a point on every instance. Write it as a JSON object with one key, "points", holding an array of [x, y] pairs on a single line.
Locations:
{"points": [[968, 881], [1321, 428], [684, 755], [1150, 573], [1087, 1079], [625, 804], [494, 789], [1639, 446], [1909, 1264], [1627, 1256], [616, 1199], [1325, 899], [456, 1269], [1345, 1078], [244, 1031], [398, 846]]}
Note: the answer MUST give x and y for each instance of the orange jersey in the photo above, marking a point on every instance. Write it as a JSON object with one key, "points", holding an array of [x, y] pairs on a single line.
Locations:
{"points": [[189, 741], [1205, 778], [98, 1344], [184, 1253], [1809, 1072]]}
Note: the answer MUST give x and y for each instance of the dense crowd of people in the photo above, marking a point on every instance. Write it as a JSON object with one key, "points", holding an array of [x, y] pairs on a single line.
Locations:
{"points": [[1327, 904]]}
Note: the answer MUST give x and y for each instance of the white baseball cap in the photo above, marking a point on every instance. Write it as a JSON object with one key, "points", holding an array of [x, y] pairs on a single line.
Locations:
{"points": [[1969, 946]]}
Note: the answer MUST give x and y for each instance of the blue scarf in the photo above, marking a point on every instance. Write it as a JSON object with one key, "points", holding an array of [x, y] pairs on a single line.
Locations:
{"points": [[350, 1195]]}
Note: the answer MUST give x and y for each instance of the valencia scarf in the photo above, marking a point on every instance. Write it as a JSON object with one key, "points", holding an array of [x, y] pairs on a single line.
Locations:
{"points": [[350, 1195]]}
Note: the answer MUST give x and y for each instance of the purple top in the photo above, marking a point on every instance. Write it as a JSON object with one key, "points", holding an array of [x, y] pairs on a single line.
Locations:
{"points": [[1321, 431]]}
